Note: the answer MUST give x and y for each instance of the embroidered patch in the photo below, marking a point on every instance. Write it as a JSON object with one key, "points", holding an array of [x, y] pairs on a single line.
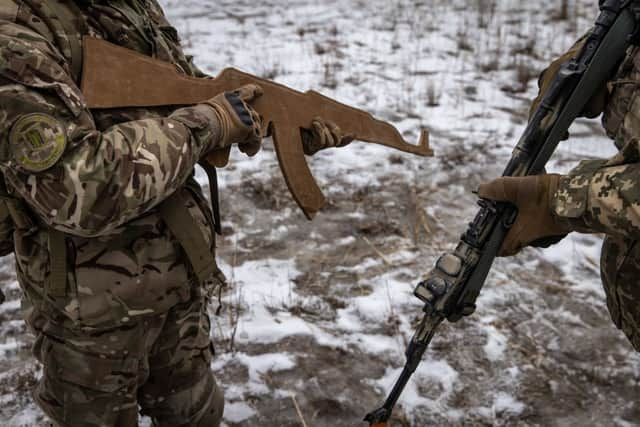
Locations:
{"points": [[37, 141]]}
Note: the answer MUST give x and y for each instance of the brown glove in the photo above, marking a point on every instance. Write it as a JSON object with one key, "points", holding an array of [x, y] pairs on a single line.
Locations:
{"points": [[239, 122], [535, 224], [323, 134]]}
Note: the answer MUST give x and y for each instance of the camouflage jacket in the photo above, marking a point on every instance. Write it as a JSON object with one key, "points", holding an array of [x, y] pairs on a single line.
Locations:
{"points": [[604, 195], [97, 176]]}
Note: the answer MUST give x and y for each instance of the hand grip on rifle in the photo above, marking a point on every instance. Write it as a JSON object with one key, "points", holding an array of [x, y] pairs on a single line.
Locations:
{"points": [[239, 123]]}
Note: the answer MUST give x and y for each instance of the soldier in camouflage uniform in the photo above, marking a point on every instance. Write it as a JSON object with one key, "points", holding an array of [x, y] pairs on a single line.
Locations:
{"points": [[114, 293], [598, 196]]}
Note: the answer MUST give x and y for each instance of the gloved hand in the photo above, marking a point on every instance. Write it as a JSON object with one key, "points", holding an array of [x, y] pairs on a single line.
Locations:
{"points": [[598, 101], [239, 122], [535, 224], [323, 134]]}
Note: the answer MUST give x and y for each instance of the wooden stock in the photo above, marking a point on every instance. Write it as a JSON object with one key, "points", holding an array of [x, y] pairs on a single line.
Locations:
{"points": [[116, 77]]}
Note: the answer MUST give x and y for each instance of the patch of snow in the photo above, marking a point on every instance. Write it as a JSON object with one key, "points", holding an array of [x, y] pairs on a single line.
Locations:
{"points": [[264, 363], [25, 418], [496, 344], [437, 371], [10, 344], [506, 403], [236, 412]]}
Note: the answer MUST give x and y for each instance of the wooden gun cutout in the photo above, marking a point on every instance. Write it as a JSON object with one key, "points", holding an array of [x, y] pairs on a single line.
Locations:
{"points": [[116, 77]]}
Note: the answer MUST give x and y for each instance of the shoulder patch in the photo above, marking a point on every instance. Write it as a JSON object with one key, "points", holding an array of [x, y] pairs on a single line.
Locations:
{"points": [[37, 141]]}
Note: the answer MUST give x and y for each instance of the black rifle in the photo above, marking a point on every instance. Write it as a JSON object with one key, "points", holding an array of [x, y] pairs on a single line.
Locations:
{"points": [[452, 287]]}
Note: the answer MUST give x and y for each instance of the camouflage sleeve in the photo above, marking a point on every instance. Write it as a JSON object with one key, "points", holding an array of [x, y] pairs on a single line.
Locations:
{"points": [[603, 196], [74, 177]]}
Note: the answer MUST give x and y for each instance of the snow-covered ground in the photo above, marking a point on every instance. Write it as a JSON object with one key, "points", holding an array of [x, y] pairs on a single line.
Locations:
{"points": [[318, 314]]}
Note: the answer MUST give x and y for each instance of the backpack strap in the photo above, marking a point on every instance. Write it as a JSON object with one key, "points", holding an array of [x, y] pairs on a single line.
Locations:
{"points": [[14, 207], [56, 285], [64, 21], [179, 220], [22, 220], [182, 224], [69, 17]]}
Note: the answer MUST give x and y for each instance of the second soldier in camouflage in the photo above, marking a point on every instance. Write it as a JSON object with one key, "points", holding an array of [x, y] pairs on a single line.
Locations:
{"points": [[598, 196]]}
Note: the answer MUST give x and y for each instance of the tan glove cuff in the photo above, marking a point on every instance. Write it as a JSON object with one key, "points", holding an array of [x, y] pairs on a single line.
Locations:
{"points": [[225, 125], [239, 123], [232, 130]]}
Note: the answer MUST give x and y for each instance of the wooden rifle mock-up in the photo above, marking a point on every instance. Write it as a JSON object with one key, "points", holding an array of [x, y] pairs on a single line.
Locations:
{"points": [[116, 77]]}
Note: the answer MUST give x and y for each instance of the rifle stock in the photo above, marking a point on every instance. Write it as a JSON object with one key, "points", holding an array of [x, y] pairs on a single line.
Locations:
{"points": [[136, 80]]}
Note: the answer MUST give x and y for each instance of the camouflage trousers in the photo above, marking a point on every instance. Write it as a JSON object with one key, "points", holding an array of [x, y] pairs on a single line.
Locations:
{"points": [[160, 364], [620, 270]]}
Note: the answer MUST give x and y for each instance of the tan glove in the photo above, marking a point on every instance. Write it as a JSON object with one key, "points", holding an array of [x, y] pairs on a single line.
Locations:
{"points": [[323, 134], [535, 224], [239, 122]]}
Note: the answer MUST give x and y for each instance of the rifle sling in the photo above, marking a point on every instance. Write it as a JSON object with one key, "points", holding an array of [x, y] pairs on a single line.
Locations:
{"points": [[212, 174]]}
